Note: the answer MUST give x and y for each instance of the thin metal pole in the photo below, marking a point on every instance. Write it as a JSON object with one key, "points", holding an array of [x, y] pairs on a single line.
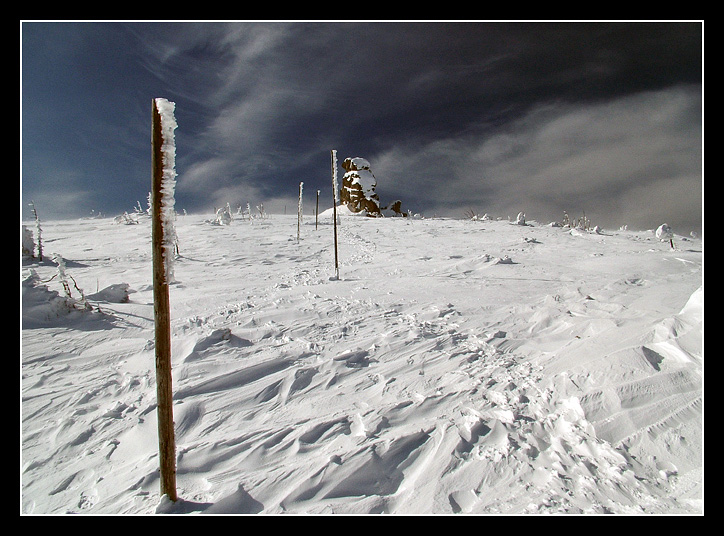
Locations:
{"points": [[162, 318]]}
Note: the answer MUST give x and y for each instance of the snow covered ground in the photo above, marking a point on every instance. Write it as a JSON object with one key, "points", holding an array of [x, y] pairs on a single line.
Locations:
{"points": [[456, 366]]}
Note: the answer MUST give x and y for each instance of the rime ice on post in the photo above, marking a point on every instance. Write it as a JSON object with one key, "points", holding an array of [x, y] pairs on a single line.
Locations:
{"points": [[301, 187], [168, 182], [334, 212], [299, 211], [163, 238], [334, 177]]}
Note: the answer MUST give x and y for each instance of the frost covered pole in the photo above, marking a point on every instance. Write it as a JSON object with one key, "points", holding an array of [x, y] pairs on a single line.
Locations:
{"points": [[299, 211], [162, 239], [316, 213], [334, 210]]}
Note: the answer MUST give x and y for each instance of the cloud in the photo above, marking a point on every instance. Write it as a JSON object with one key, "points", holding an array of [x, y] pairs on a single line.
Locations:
{"points": [[59, 202], [631, 153], [425, 102], [504, 112], [260, 110]]}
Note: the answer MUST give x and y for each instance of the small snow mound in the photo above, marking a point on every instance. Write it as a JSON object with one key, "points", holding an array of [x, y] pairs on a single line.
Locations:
{"points": [[343, 211], [117, 293]]}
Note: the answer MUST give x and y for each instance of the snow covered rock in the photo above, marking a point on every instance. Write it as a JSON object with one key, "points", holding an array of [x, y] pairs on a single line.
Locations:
{"points": [[358, 187]]}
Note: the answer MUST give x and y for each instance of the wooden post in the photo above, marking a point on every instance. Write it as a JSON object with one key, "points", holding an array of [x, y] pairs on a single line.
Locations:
{"points": [[316, 213], [334, 211], [162, 318], [299, 211]]}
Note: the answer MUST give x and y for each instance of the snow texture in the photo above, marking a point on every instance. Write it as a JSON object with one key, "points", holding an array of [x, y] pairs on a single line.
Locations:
{"points": [[460, 367]]}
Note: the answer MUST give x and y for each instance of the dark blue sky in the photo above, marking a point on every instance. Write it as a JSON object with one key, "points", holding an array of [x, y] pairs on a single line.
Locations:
{"points": [[498, 117]]}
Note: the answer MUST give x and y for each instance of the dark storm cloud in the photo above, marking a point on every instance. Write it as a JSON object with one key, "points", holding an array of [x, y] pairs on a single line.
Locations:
{"points": [[500, 114]]}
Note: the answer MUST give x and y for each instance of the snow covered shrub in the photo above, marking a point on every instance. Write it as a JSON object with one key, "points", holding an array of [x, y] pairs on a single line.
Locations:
{"points": [[125, 219], [38, 232], [63, 278], [582, 223], [41, 304], [470, 214], [223, 216], [520, 219], [664, 233], [44, 307], [138, 210], [27, 248]]}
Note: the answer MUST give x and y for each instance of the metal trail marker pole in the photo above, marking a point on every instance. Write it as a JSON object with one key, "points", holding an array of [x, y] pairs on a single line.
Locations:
{"points": [[162, 318]]}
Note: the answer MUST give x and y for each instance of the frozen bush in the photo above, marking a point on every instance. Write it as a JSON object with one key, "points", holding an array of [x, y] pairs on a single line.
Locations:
{"points": [[44, 307], [27, 247], [223, 216], [664, 233]]}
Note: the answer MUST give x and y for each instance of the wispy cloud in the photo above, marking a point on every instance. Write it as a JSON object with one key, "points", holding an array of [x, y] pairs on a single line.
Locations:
{"points": [[635, 154], [494, 115]]}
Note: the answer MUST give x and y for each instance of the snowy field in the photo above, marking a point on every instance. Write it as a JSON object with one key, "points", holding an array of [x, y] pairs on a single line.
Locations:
{"points": [[456, 366]]}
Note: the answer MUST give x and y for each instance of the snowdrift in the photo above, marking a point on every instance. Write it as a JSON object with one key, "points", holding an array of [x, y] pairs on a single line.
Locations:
{"points": [[471, 367]]}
